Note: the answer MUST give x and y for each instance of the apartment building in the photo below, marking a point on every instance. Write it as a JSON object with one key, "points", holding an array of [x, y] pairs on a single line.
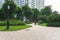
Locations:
{"points": [[39, 4]]}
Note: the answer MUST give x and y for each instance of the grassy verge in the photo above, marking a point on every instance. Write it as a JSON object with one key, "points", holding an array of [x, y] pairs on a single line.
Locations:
{"points": [[43, 24], [29, 22], [14, 28], [53, 24]]}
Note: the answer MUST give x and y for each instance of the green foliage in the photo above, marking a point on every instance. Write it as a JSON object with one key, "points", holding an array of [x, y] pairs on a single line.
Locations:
{"points": [[46, 11], [2, 23], [28, 13], [17, 22], [45, 15], [51, 24], [12, 23], [53, 18], [54, 24], [43, 24], [36, 14], [19, 14], [29, 22], [14, 28], [5, 11], [49, 18]]}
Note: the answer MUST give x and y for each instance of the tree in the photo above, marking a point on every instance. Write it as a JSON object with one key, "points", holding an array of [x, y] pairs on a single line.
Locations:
{"points": [[1, 15], [55, 12], [46, 10], [19, 14], [8, 9], [36, 15], [28, 13], [5, 10], [54, 17]]}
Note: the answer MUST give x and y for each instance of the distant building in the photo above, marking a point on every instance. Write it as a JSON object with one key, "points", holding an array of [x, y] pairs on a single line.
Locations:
{"points": [[1, 2], [31, 3]]}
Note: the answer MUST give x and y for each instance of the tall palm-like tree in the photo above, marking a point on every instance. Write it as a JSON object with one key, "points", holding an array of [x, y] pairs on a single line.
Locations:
{"points": [[8, 10]]}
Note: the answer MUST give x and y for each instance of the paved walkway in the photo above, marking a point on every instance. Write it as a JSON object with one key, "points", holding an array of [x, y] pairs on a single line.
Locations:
{"points": [[34, 33]]}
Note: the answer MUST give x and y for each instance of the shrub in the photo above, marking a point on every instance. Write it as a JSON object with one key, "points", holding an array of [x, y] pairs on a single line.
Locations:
{"points": [[17, 22], [28, 22], [55, 24], [52, 24], [13, 23], [2, 23]]}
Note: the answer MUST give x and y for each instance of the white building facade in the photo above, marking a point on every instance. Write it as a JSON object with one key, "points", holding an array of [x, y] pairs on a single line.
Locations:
{"points": [[39, 4], [1, 2]]}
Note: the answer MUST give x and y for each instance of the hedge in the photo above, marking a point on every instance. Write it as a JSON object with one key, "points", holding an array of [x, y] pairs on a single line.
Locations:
{"points": [[12, 23]]}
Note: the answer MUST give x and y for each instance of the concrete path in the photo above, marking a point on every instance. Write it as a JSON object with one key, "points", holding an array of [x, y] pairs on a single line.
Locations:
{"points": [[36, 32]]}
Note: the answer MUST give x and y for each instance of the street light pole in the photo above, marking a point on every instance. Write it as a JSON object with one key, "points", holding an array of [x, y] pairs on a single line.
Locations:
{"points": [[8, 7]]}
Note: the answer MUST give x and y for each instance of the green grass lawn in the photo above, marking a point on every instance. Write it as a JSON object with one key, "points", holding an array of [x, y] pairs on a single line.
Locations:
{"points": [[52, 24], [43, 24], [14, 28]]}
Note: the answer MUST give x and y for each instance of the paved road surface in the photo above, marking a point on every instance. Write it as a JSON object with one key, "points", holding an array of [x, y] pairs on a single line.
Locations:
{"points": [[34, 33]]}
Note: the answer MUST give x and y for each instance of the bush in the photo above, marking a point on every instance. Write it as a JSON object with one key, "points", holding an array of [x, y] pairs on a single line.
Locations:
{"points": [[2, 23], [43, 24], [28, 22], [53, 24], [17, 22], [12, 23]]}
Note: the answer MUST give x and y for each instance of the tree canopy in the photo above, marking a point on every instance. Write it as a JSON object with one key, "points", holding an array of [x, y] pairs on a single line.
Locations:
{"points": [[4, 9], [28, 13]]}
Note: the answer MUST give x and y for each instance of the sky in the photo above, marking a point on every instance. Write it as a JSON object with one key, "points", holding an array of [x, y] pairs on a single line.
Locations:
{"points": [[55, 4]]}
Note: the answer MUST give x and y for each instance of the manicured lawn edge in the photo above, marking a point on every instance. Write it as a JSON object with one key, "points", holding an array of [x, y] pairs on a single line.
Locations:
{"points": [[50, 24], [14, 28], [43, 24]]}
